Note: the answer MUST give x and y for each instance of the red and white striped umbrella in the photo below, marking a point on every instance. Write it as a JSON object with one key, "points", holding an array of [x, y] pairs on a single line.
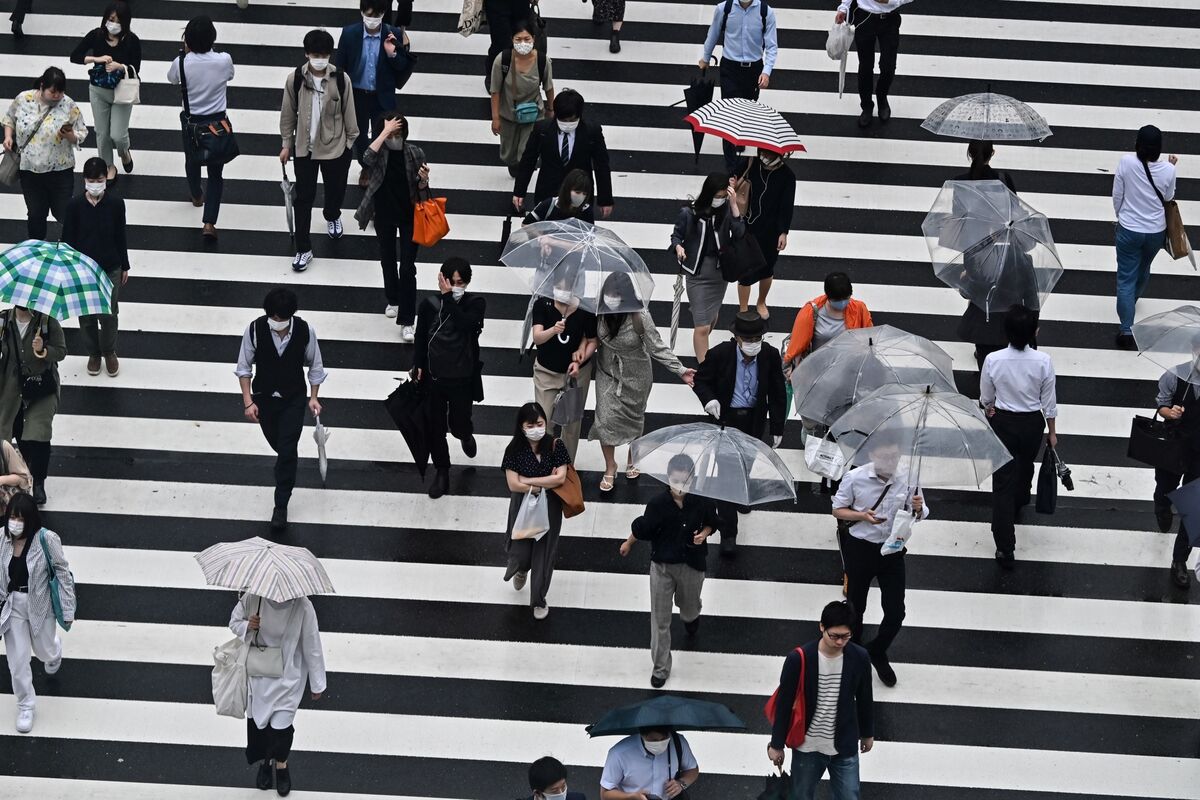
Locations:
{"points": [[746, 123]]}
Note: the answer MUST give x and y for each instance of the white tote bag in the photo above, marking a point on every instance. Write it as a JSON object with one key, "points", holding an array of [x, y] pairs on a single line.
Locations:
{"points": [[471, 18], [824, 458], [533, 520], [129, 90], [229, 682]]}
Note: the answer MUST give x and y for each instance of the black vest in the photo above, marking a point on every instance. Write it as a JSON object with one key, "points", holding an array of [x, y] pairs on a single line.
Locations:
{"points": [[274, 372]]}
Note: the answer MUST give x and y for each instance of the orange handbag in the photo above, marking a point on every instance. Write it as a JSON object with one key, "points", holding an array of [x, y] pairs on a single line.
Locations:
{"points": [[429, 221]]}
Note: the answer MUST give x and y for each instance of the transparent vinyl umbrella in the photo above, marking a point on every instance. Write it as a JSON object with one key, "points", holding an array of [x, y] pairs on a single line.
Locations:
{"points": [[991, 246], [1172, 341], [857, 362], [987, 116], [726, 464], [943, 437]]}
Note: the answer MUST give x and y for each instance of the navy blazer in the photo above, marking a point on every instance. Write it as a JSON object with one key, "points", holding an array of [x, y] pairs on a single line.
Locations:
{"points": [[570, 796], [390, 73], [855, 713], [717, 378]]}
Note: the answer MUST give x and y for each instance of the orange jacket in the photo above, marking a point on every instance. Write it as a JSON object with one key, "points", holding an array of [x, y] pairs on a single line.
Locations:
{"points": [[857, 316]]}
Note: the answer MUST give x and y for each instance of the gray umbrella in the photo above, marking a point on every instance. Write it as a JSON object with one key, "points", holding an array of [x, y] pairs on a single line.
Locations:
{"points": [[1172, 341], [288, 195], [987, 116]]}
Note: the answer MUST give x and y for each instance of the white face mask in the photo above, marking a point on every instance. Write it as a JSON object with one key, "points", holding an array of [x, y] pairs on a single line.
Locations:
{"points": [[372, 23], [562, 295], [559, 796], [318, 64], [568, 127], [279, 326], [113, 28], [94, 189], [612, 301], [535, 434], [16, 527], [393, 143], [751, 349], [523, 48], [577, 199], [656, 748], [457, 292], [680, 487], [717, 202]]}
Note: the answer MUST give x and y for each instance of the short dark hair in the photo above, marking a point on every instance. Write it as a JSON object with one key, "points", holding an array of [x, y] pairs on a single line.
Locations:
{"points": [[837, 614], [280, 302], [681, 462], [459, 265], [838, 286], [545, 772], [318, 41], [121, 9], [1020, 326], [522, 26], [95, 168], [568, 103], [386, 115], [24, 506], [52, 78], [384, 6], [883, 438], [200, 34]]}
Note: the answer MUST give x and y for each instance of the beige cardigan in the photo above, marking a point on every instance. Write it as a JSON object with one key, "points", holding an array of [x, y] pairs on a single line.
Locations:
{"points": [[338, 126]]}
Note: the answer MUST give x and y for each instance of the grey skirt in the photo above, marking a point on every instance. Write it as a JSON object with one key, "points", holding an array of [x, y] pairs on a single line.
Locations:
{"points": [[705, 293]]}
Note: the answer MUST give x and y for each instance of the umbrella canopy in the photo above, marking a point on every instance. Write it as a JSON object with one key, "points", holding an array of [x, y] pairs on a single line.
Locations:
{"points": [[408, 408], [746, 123], [695, 95], [589, 262], [857, 362], [991, 246], [321, 436], [667, 711], [1186, 500], [944, 438], [55, 279], [1172, 341], [275, 571], [728, 464], [987, 116], [289, 194]]}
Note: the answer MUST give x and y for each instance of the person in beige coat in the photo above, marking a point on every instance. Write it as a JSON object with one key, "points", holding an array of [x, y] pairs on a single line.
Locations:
{"points": [[318, 127], [14, 474]]}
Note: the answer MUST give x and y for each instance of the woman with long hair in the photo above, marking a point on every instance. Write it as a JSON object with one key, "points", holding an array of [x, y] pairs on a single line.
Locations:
{"points": [[574, 201], [115, 53]]}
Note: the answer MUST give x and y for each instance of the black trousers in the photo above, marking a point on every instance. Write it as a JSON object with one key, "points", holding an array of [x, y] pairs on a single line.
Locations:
{"points": [[1165, 483], [501, 15], [738, 79], [45, 193], [334, 172], [399, 276], [882, 31], [37, 457], [282, 420], [20, 9], [864, 563], [366, 110], [1021, 433], [449, 410], [268, 742], [727, 513]]}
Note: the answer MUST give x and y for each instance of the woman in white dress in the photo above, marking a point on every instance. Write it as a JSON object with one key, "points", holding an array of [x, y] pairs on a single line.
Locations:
{"points": [[271, 706]]}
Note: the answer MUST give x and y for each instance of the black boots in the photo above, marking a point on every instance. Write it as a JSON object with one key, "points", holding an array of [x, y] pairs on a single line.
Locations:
{"points": [[441, 483], [37, 456], [614, 42], [266, 775]]}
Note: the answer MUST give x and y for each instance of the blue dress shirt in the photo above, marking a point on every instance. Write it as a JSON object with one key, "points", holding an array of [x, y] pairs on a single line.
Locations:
{"points": [[745, 39], [364, 78], [745, 387]]}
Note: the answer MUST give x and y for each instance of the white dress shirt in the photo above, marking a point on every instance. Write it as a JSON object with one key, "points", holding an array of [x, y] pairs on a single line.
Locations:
{"points": [[1138, 207], [315, 122], [860, 489], [874, 6], [570, 137], [312, 354], [1018, 380]]}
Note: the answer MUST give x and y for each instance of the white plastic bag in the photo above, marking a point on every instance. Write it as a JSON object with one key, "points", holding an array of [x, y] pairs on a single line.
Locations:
{"points": [[824, 458], [533, 520], [841, 38], [902, 523], [229, 681]]}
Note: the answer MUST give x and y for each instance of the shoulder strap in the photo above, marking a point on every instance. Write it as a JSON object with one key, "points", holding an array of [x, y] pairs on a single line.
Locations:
{"points": [[505, 60], [729, 7], [541, 65], [187, 109], [33, 131], [297, 82], [882, 494], [1146, 166], [41, 534], [678, 755]]}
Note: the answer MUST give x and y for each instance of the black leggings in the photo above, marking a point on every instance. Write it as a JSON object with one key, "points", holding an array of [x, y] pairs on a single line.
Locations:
{"points": [[267, 742]]}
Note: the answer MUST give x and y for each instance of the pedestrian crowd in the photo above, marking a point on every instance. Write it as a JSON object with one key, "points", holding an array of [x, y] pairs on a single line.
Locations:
{"points": [[343, 105]]}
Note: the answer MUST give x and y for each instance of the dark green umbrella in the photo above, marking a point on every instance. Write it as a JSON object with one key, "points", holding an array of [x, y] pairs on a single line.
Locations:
{"points": [[667, 711]]}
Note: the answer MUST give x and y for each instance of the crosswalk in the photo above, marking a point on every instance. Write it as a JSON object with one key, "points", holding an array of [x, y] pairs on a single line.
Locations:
{"points": [[1075, 676]]}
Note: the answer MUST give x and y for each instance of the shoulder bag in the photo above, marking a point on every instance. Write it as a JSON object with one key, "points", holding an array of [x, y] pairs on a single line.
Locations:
{"points": [[34, 387], [796, 728], [10, 166], [738, 257], [55, 586], [1159, 443], [129, 90], [209, 142], [1176, 241], [471, 18], [568, 404], [678, 748], [571, 492]]}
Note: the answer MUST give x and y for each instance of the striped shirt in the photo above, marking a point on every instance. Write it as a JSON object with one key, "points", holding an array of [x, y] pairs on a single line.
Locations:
{"points": [[819, 736]]}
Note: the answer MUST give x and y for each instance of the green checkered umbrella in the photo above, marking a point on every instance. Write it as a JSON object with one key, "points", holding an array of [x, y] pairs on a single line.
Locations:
{"points": [[55, 279]]}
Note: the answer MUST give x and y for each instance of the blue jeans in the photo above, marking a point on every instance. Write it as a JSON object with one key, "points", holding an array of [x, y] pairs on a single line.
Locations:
{"points": [[807, 769], [1135, 252]]}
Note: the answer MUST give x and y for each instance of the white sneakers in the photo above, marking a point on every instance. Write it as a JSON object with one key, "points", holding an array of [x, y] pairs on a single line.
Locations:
{"points": [[334, 228], [541, 612], [52, 667], [408, 333], [301, 261], [519, 580], [391, 311], [24, 720]]}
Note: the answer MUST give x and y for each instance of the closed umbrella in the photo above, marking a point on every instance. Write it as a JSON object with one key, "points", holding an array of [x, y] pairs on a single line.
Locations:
{"points": [[676, 302], [54, 279], [1172, 341], [698, 93], [275, 571], [321, 436], [991, 246], [729, 465], [668, 711], [857, 362], [289, 194], [837, 47], [746, 123], [987, 116], [408, 407]]}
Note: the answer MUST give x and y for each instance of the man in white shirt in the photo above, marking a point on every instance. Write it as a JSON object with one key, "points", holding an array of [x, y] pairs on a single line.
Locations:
{"points": [[875, 22], [1017, 390], [869, 497], [652, 763]]}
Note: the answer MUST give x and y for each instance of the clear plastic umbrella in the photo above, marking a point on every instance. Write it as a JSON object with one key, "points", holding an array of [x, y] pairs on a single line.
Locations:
{"points": [[589, 262], [1172, 341], [321, 436], [289, 194], [727, 464], [944, 438], [857, 362], [987, 116], [991, 245]]}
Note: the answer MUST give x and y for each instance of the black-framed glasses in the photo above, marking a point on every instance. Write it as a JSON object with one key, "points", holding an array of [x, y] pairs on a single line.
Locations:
{"points": [[839, 637]]}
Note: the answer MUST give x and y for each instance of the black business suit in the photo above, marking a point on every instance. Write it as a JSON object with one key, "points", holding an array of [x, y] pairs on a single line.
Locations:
{"points": [[588, 153]]}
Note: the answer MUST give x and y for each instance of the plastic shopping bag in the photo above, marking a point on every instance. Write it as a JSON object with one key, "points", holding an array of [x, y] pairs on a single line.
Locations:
{"points": [[533, 520], [902, 523], [837, 47], [824, 458], [229, 680]]}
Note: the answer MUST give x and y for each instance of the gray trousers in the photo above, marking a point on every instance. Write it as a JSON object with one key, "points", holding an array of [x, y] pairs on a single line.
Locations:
{"points": [[100, 330], [547, 385], [670, 585], [536, 558]]}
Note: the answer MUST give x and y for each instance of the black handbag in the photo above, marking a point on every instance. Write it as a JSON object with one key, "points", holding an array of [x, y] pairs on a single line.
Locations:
{"points": [[1161, 444], [209, 143], [1047, 483], [34, 387], [538, 23], [740, 257]]}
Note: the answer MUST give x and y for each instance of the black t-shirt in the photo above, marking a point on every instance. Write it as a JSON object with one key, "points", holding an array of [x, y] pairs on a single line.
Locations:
{"points": [[555, 353], [18, 570], [527, 465], [392, 202]]}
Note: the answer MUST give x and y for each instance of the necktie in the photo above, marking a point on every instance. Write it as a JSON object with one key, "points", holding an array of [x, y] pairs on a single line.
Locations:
{"points": [[566, 150]]}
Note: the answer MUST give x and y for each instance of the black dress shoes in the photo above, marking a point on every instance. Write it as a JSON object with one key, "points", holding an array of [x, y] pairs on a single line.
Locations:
{"points": [[283, 781], [441, 483], [1164, 518], [1006, 560], [657, 682], [278, 520], [885, 111], [266, 776], [864, 119], [1180, 575], [17, 31], [470, 447], [692, 627], [883, 668], [1125, 341]]}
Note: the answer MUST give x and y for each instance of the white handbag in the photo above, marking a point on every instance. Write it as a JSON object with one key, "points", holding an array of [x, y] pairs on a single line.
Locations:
{"points": [[129, 90], [229, 679], [823, 457], [471, 18], [263, 661]]}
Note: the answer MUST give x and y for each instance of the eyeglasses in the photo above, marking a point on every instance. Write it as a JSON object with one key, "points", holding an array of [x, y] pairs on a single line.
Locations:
{"points": [[839, 637]]}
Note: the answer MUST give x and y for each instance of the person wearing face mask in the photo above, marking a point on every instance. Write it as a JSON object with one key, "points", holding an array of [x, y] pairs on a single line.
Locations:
{"points": [[713, 217], [95, 226], [503, 18], [1177, 403], [565, 336], [446, 358], [868, 498], [519, 77], [677, 524], [653, 763], [374, 55], [824, 317], [741, 385], [548, 780], [768, 212], [562, 144], [319, 126], [28, 553], [397, 173], [111, 48], [46, 128], [534, 463], [276, 349], [574, 201]]}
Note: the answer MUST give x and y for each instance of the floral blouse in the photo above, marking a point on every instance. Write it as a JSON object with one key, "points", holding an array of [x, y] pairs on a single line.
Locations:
{"points": [[46, 150]]}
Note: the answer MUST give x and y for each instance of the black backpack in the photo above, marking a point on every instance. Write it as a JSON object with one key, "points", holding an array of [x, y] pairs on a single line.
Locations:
{"points": [[506, 64], [298, 81], [763, 7]]}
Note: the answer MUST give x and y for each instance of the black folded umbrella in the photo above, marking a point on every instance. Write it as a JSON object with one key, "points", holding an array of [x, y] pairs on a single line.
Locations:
{"points": [[505, 230], [778, 787], [407, 408], [699, 93]]}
